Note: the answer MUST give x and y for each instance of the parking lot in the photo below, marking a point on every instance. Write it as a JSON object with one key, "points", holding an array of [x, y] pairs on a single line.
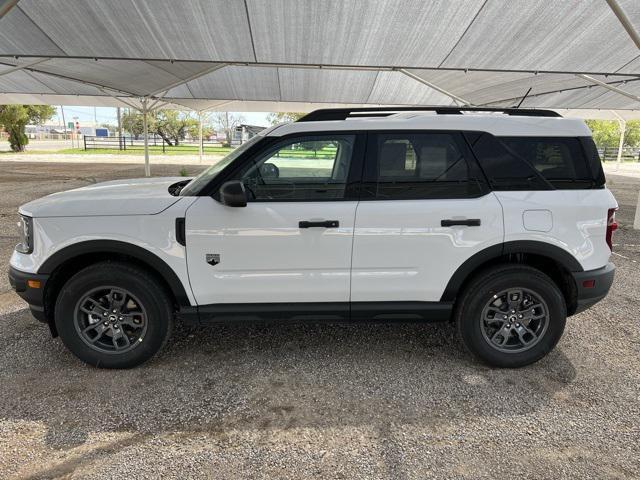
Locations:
{"points": [[396, 401]]}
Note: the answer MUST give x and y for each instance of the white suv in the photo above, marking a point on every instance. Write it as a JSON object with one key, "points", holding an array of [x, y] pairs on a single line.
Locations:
{"points": [[497, 220]]}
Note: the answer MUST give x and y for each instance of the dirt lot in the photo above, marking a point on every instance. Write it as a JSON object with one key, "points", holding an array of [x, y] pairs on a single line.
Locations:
{"points": [[319, 401]]}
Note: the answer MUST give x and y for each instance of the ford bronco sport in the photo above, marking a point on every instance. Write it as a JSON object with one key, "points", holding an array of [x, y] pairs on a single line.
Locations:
{"points": [[497, 220]]}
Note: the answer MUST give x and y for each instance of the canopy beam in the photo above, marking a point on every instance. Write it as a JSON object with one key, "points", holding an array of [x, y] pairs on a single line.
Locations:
{"points": [[195, 76], [23, 66], [609, 87], [6, 6], [454, 97], [624, 20]]}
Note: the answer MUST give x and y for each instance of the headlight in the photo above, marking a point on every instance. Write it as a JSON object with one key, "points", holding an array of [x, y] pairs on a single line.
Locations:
{"points": [[25, 226]]}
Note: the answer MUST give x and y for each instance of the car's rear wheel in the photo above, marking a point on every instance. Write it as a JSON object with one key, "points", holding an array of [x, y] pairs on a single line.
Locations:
{"points": [[113, 315], [511, 315]]}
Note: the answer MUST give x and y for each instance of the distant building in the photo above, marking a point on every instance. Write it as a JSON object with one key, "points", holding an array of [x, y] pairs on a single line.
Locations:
{"points": [[244, 132]]}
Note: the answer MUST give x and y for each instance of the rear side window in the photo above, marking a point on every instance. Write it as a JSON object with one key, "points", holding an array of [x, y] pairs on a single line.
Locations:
{"points": [[561, 161], [504, 169], [418, 166]]}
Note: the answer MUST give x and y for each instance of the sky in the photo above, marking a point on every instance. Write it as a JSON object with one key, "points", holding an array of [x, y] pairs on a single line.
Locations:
{"points": [[108, 115]]}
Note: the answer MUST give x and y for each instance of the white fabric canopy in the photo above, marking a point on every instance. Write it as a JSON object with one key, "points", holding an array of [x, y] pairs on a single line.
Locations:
{"points": [[285, 55]]}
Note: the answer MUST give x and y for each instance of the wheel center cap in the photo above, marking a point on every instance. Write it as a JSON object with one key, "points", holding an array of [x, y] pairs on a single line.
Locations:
{"points": [[512, 318], [112, 318]]}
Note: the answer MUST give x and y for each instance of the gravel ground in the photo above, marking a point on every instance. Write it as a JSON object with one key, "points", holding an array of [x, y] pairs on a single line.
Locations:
{"points": [[320, 401]]}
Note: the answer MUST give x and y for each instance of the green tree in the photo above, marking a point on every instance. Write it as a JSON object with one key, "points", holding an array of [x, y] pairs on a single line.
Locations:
{"points": [[284, 117], [173, 125], [606, 133], [132, 123], [15, 118]]}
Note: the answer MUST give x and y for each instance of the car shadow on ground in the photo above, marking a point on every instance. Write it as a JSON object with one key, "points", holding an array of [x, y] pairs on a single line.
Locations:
{"points": [[267, 376]]}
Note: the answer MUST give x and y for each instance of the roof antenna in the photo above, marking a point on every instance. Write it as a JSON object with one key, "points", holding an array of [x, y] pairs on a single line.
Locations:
{"points": [[522, 99]]}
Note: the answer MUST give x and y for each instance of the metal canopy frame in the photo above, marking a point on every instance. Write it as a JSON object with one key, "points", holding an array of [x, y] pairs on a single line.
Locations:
{"points": [[447, 80]]}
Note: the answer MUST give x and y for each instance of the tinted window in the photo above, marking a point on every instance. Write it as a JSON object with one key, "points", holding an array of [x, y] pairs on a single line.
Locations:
{"points": [[305, 168], [420, 165], [559, 160], [504, 169]]}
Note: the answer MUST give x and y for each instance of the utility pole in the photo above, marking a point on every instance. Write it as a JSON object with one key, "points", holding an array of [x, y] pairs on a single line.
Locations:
{"points": [[201, 146], [119, 122], [65, 123], [147, 168]]}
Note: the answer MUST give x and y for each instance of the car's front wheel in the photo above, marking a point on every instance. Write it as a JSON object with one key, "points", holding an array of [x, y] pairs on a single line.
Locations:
{"points": [[113, 315], [511, 315]]}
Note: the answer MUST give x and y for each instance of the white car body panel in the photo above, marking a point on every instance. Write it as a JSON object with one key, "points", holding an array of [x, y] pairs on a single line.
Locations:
{"points": [[154, 233], [498, 125], [136, 196], [264, 256], [578, 221], [401, 253]]}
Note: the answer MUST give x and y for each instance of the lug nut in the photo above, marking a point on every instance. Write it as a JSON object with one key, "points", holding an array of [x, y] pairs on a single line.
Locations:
{"points": [[517, 325], [104, 314]]}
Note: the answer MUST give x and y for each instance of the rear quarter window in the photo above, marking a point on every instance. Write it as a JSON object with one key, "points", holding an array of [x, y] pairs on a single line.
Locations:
{"points": [[560, 160]]}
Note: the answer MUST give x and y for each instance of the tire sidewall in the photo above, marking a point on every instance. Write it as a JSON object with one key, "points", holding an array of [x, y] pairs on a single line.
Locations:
{"points": [[151, 296], [469, 318]]}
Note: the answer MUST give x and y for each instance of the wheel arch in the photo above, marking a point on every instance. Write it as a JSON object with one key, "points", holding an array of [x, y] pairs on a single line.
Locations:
{"points": [[66, 262], [551, 259]]}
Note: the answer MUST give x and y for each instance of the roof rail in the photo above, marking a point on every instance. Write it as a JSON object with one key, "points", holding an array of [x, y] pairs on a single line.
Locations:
{"points": [[327, 114]]}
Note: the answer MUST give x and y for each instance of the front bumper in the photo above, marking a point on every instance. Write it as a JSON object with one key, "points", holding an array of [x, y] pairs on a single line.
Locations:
{"points": [[593, 285], [24, 284]]}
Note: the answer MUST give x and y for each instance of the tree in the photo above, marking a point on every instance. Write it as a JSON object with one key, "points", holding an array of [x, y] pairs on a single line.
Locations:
{"points": [[284, 117], [227, 122], [606, 133], [172, 125], [132, 123], [15, 118]]}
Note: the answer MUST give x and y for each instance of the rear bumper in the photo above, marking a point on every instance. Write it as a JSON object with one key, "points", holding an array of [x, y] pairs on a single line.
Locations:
{"points": [[601, 280], [33, 296]]}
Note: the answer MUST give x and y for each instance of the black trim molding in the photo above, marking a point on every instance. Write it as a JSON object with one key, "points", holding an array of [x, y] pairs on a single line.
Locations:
{"points": [[320, 311], [121, 248], [493, 252]]}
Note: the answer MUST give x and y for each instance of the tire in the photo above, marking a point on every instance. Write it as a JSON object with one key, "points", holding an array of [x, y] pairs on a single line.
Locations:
{"points": [[95, 333], [501, 339]]}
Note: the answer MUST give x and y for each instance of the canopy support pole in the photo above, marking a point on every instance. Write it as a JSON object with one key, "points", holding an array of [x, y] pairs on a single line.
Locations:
{"points": [[145, 129], [624, 20], [200, 146], [415, 77], [608, 87], [623, 126]]}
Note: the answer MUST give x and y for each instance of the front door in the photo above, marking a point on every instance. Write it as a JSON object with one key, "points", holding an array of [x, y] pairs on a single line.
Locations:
{"points": [[292, 243]]}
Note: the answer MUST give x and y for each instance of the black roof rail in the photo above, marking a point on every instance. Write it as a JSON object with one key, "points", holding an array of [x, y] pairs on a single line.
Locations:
{"points": [[327, 114]]}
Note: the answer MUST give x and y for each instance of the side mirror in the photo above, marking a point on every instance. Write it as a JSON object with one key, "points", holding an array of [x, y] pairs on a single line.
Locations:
{"points": [[233, 194]]}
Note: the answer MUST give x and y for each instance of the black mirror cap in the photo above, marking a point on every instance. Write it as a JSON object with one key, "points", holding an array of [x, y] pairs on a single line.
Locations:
{"points": [[233, 194]]}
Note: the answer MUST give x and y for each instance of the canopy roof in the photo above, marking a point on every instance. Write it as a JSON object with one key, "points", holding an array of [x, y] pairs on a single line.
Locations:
{"points": [[285, 55]]}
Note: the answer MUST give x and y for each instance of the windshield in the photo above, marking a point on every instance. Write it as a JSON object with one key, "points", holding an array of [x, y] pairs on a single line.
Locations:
{"points": [[195, 185]]}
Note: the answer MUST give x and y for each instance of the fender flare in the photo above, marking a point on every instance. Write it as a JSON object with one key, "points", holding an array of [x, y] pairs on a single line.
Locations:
{"points": [[143, 255], [543, 249]]}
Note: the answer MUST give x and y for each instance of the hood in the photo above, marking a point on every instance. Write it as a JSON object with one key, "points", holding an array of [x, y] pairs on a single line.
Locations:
{"points": [[137, 196]]}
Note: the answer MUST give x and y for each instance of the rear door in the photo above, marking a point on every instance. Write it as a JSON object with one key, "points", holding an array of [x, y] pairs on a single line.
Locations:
{"points": [[424, 210]]}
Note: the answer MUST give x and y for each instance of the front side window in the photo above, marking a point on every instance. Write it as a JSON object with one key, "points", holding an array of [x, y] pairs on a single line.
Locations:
{"points": [[312, 168], [420, 165]]}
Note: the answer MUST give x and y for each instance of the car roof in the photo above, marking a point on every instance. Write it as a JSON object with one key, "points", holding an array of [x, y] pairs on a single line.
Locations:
{"points": [[495, 123]]}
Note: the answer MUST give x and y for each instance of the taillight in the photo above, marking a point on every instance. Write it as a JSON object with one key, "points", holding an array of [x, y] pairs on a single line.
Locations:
{"points": [[612, 226]]}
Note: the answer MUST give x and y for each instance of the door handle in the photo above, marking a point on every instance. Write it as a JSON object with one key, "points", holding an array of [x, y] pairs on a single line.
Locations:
{"points": [[320, 224], [471, 222]]}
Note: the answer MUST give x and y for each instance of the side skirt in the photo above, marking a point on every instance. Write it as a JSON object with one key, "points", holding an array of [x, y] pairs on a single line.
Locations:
{"points": [[317, 312]]}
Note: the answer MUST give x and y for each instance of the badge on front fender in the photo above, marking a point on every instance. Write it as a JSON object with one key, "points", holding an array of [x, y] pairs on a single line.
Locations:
{"points": [[213, 259]]}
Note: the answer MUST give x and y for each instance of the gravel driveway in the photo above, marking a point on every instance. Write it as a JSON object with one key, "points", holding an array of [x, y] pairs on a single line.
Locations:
{"points": [[317, 400]]}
